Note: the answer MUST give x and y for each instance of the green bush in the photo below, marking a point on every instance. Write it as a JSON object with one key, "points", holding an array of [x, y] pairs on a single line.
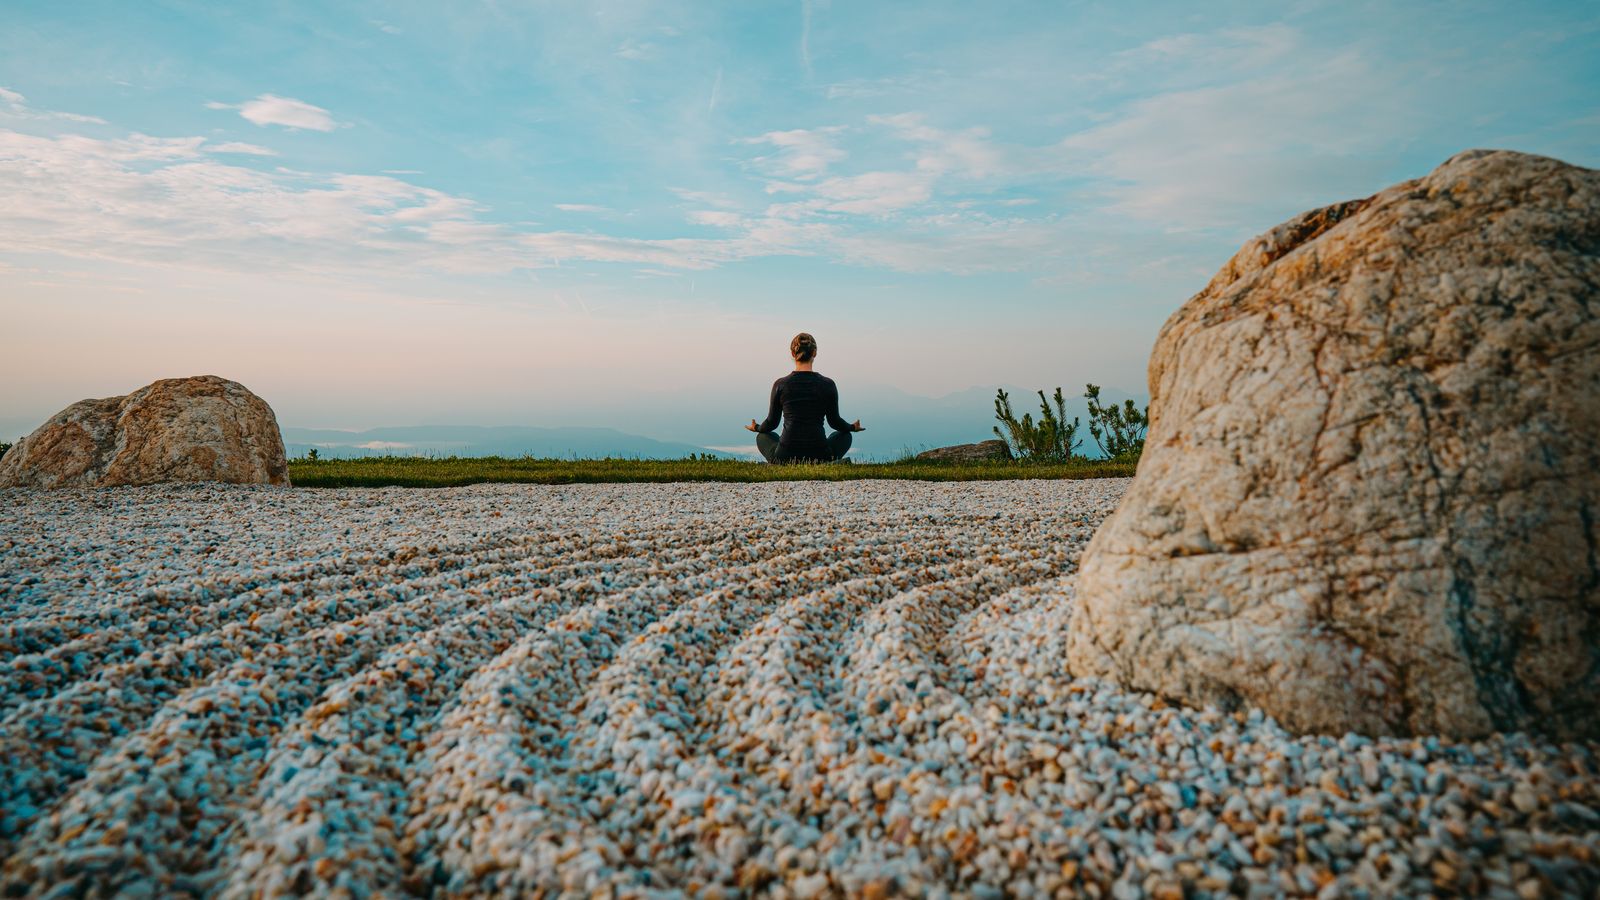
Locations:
{"points": [[4, 446], [1117, 430], [1051, 439]]}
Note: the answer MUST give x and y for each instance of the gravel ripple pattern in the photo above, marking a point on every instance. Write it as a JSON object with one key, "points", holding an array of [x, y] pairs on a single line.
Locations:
{"points": [[791, 689]]}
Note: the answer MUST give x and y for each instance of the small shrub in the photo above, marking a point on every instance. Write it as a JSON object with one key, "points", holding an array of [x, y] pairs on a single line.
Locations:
{"points": [[1118, 431], [4, 446], [312, 454], [908, 454], [1051, 439]]}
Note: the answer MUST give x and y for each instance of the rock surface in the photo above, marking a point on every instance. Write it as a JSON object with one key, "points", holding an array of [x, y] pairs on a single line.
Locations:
{"points": [[1370, 499], [203, 428], [983, 451]]}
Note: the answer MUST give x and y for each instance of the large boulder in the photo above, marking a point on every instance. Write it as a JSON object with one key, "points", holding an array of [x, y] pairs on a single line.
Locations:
{"points": [[983, 451], [1370, 499], [179, 429]]}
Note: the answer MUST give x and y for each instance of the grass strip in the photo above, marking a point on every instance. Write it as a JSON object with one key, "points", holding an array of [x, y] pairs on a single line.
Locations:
{"points": [[409, 471]]}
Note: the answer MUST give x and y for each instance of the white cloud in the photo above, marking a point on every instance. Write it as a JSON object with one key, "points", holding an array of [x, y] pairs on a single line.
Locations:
{"points": [[716, 217], [805, 37], [242, 148], [179, 203], [285, 112], [705, 198], [1241, 153], [15, 106], [632, 49], [553, 248], [936, 155], [967, 152], [75, 117], [165, 202], [975, 247], [868, 88], [875, 193], [802, 153], [1209, 54]]}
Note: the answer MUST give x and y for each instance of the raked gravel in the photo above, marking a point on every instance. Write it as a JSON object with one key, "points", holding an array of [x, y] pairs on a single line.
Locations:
{"points": [[789, 689]]}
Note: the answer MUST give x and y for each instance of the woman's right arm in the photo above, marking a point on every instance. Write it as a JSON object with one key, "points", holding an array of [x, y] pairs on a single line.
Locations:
{"points": [[774, 408]]}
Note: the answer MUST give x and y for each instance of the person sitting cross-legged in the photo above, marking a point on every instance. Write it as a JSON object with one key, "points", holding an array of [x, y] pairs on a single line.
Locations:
{"points": [[805, 400]]}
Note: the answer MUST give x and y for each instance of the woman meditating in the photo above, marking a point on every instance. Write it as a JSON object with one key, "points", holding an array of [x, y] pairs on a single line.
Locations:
{"points": [[804, 399]]}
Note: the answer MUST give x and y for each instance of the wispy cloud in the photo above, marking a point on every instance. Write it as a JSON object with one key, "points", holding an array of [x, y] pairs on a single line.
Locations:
{"points": [[805, 37], [705, 198], [875, 193], [1208, 55], [1239, 153], [873, 88], [15, 106], [175, 201], [635, 49], [716, 217], [241, 148], [801, 153], [935, 155], [285, 112], [155, 201], [965, 152]]}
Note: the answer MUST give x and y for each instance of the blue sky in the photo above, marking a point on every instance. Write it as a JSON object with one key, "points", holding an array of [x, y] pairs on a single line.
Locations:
{"points": [[566, 213]]}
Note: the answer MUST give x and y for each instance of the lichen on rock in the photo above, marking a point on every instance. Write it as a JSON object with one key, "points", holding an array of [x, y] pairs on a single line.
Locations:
{"points": [[203, 428], [1370, 497]]}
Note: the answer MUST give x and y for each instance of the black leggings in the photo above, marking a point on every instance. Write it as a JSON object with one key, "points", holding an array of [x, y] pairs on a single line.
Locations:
{"points": [[767, 443]]}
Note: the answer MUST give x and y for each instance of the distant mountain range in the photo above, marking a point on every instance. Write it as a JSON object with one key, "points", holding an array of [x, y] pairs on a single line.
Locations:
{"points": [[898, 423], [478, 440]]}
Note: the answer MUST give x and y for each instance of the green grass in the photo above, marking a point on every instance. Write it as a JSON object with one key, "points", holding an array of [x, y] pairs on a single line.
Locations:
{"points": [[405, 471]]}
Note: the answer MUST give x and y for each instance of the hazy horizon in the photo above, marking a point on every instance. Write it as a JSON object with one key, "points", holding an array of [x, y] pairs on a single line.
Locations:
{"points": [[897, 422], [617, 214]]}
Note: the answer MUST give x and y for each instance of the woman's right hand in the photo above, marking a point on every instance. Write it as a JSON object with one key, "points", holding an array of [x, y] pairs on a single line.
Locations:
{"points": [[753, 426]]}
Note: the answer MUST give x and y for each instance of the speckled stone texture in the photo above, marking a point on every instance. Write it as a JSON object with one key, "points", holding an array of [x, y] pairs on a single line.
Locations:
{"points": [[789, 690], [203, 428], [982, 451], [1371, 494]]}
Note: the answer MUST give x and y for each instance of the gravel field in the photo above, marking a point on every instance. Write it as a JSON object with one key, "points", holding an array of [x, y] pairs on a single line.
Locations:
{"points": [[792, 689]]}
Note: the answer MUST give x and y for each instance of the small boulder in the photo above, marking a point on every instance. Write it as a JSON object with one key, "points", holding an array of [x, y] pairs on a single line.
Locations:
{"points": [[179, 429], [1370, 497], [983, 451]]}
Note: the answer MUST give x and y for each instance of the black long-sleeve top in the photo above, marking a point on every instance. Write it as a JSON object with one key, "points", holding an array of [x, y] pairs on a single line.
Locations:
{"points": [[804, 400]]}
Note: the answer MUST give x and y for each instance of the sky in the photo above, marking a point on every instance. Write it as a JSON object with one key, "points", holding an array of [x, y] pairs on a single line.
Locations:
{"points": [[602, 213]]}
